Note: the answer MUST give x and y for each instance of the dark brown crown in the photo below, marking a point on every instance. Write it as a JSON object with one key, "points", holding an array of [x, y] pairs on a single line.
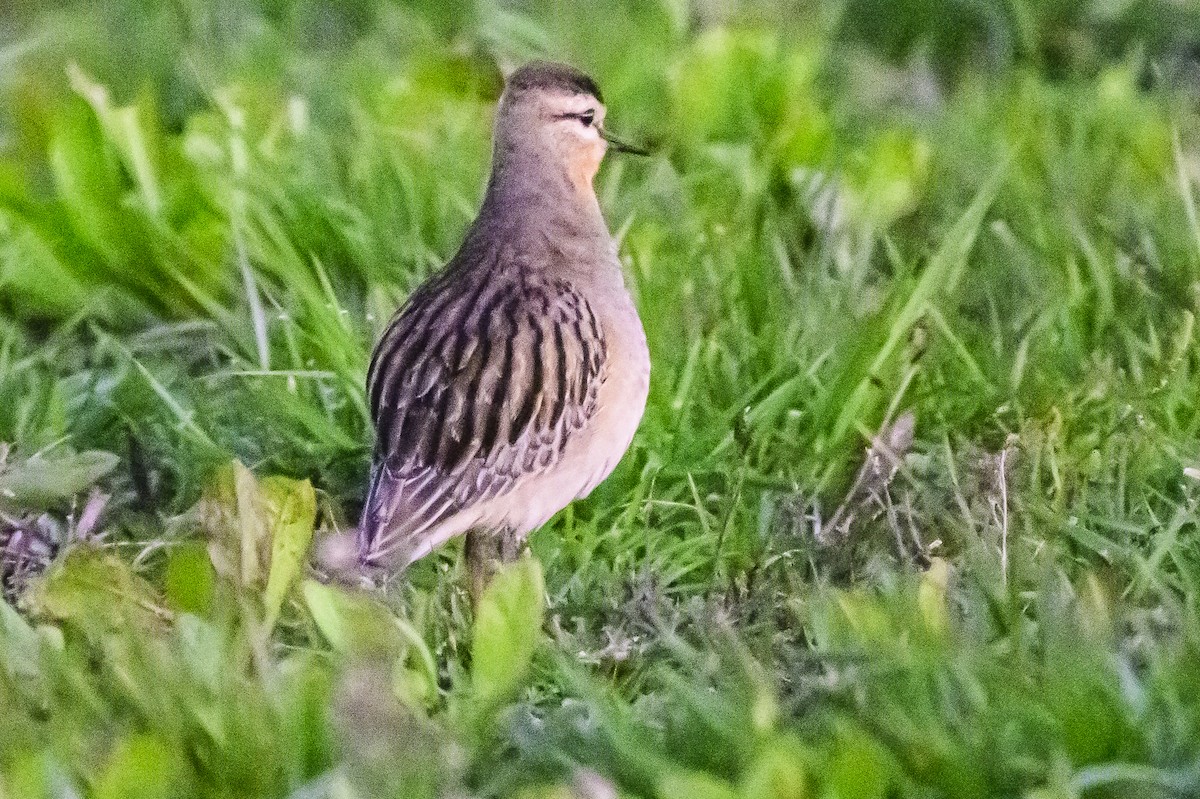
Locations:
{"points": [[554, 76]]}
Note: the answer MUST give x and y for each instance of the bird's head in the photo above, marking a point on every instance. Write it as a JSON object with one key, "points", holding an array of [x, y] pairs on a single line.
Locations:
{"points": [[553, 114]]}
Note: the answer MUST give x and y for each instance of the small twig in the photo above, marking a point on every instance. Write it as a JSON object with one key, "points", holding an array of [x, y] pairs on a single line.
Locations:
{"points": [[894, 523], [922, 556], [997, 498], [1004, 516], [880, 466]]}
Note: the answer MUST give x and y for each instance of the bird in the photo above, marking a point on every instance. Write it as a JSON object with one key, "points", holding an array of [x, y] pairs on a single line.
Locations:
{"points": [[513, 380]]}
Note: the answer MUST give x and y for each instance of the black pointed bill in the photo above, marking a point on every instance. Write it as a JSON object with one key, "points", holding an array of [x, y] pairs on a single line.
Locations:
{"points": [[620, 146]]}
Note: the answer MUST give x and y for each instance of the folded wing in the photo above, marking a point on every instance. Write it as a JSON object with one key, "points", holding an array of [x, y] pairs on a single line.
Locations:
{"points": [[473, 388]]}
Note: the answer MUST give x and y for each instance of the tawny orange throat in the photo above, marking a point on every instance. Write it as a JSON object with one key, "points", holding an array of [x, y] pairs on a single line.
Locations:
{"points": [[512, 381]]}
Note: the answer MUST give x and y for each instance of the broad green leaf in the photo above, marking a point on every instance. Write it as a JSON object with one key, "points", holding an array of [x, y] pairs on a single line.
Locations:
{"points": [[99, 591], [216, 516], [43, 481], [352, 622], [291, 507], [19, 644], [190, 581], [358, 626], [508, 627], [252, 529], [261, 530]]}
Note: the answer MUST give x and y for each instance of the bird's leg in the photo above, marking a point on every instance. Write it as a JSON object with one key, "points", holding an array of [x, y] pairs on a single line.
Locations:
{"points": [[509, 546], [479, 553], [486, 551]]}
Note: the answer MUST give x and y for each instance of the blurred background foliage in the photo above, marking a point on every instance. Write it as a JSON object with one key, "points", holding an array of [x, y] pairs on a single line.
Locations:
{"points": [[967, 225]]}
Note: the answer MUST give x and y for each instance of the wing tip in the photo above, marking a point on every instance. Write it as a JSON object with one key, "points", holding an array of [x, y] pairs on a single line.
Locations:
{"points": [[377, 537], [368, 533]]}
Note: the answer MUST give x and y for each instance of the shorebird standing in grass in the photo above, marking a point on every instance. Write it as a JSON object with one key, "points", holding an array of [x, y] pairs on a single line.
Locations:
{"points": [[512, 381]]}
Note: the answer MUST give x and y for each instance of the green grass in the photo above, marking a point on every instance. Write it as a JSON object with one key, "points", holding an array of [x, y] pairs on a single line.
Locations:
{"points": [[983, 215]]}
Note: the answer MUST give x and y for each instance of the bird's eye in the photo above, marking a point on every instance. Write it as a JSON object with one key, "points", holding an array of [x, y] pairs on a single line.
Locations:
{"points": [[588, 117]]}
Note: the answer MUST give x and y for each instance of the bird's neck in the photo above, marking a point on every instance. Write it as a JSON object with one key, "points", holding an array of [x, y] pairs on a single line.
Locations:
{"points": [[531, 198]]}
